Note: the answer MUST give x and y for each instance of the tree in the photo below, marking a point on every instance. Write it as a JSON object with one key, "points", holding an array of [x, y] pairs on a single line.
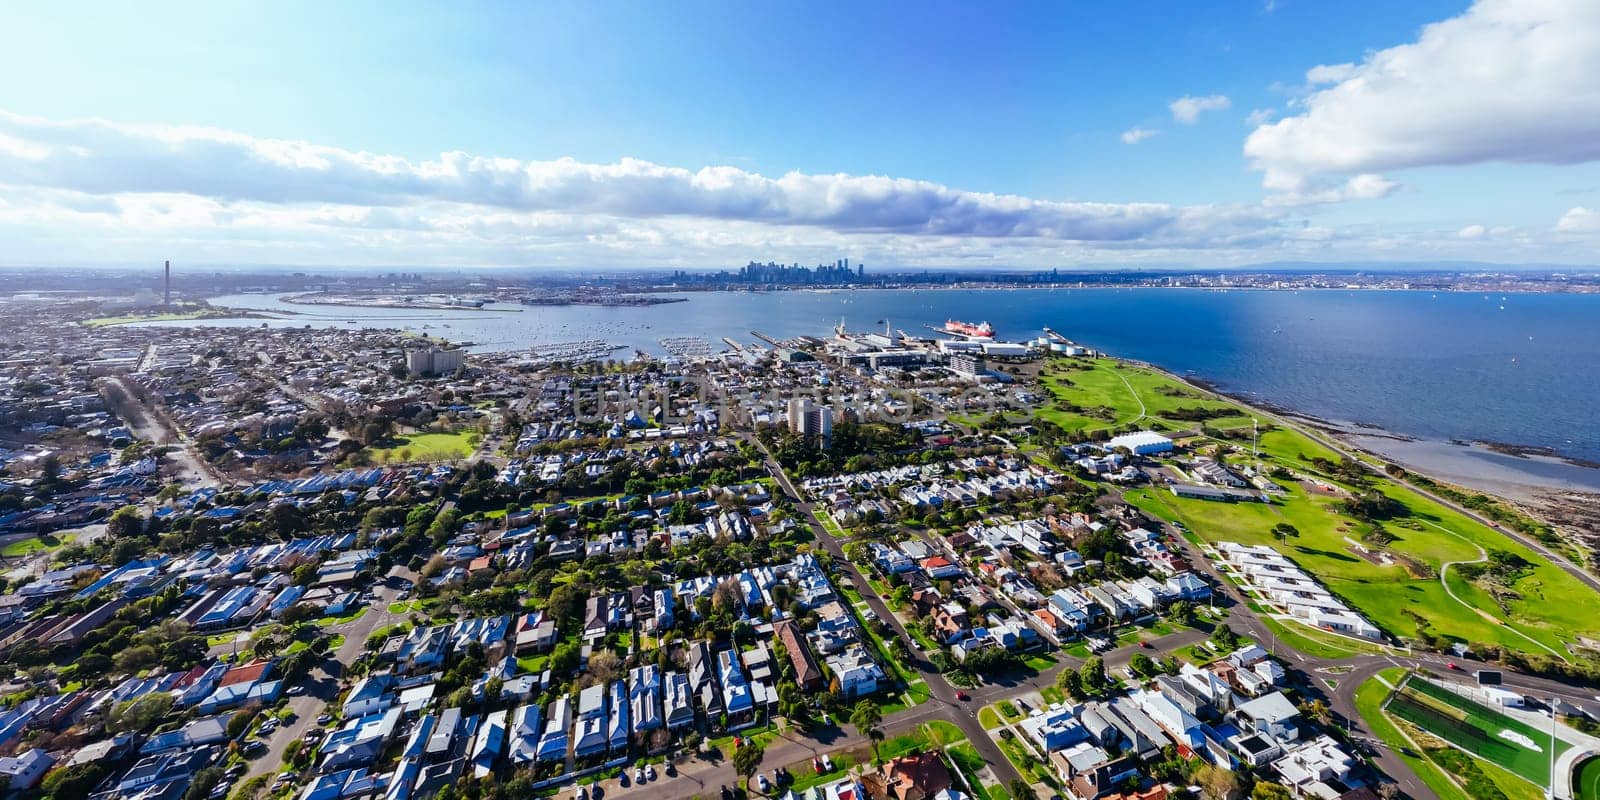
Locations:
{"points": [[566, 603], [1070, 682], [605, 665], [727, 597], [141, 713], [125, 522], [565, 658], [866, 718], [1182, 612], [1021, 789], [1267, 790], [747, 759], [1217, 783], [136, 658], [1143, 665], [1093, 674], [203, 782]]}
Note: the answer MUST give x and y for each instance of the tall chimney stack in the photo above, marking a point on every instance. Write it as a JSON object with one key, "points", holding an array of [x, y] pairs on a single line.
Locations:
{"points": [[167, 294]]}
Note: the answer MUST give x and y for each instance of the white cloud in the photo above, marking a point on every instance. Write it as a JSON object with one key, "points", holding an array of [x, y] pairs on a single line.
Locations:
{"points": [[1579, 219], [1330, 73], [1508, 80], [211, 189], [1187, 109], [1360, 187], [1136, 134], [1260, 116], [1472, 232], [95, 157]]}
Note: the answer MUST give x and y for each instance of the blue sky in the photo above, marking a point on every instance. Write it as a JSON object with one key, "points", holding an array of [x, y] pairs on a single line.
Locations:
{"points": [[140, 130]]}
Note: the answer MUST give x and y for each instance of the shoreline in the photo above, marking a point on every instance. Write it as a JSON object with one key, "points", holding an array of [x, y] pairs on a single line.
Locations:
{"points": [[1518, 473], [1563, 493]]}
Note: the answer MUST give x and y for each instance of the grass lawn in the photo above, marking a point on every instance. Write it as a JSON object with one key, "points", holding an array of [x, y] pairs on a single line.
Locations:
{"points": [[988, 719], [171, 316], [828, 524], [1546, 611], [1052, 695], [1311, 641], [427, 447], [1390, 595], [805, 776], [945, 732], [969, 763], [23, 547], [342, 618], [1008, 711], [1039, 663], [1132, 394], [1025, 761]]}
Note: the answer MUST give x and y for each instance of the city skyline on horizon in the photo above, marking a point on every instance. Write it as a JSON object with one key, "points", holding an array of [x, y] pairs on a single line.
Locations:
{"points": [[623, 137]]}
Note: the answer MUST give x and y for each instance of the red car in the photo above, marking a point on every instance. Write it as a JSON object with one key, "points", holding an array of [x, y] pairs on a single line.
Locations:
{"points": [[1452, 665], [962, 696]]}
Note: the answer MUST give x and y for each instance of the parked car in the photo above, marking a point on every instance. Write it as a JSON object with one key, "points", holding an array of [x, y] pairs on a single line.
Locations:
{"points": [[763, 784], [649, 772]]}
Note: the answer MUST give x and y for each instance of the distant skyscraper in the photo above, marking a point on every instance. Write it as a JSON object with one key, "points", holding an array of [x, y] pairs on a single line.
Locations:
{"points": [[166, 297]]}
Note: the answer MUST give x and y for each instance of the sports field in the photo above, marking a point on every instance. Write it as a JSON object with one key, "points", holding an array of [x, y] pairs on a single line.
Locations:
{"points": [[1476, 728], [1586, 779], [428, 447]]}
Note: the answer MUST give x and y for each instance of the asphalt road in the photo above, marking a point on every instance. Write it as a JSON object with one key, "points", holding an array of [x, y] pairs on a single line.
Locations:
{"points": [[963, 714], [327, 680]]}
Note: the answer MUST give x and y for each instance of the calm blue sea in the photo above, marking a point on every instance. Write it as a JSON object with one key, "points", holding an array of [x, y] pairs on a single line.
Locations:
{"points": [[1519, 368]]}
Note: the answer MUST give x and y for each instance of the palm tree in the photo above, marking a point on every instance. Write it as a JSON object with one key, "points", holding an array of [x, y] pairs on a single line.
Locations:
{"points": [[866, 718]]}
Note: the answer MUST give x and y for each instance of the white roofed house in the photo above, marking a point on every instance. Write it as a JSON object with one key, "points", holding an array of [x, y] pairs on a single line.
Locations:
{"points": [[489, 745], [678, 701], [553, 742], [524, 734], [1309, 767], [644, 698], [1271, 715], [590, 735], [856, 671]]}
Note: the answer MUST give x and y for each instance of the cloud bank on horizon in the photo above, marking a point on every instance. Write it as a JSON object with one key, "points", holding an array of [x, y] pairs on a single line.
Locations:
{"points": [[1504, 82]]}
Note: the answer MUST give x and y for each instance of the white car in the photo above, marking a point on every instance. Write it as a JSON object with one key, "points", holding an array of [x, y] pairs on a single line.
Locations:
{"points": [[650, 772], [763, 784]]}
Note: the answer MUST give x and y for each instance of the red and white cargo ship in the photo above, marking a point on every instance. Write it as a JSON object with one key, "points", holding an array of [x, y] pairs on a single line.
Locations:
{"points": [[982, 330]]}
